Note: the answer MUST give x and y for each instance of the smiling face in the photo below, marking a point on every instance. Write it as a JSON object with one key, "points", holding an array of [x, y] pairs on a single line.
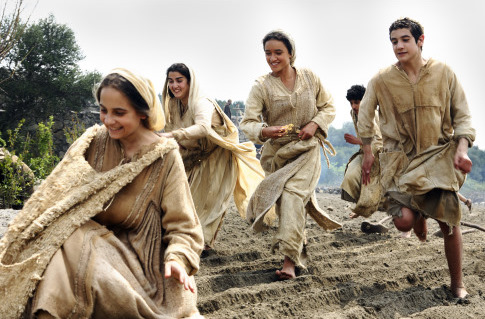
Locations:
{"points": [[179, 86], [118, 115], [277, 55], [405, 47]]}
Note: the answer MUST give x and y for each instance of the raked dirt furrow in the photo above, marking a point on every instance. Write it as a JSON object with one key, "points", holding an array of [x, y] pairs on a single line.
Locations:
{"points": [[349, 275]]}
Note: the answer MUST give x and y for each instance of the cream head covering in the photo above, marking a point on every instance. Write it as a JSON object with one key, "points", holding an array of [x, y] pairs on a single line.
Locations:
{"points": [[194, 94], [290, 39], [156, 118]]}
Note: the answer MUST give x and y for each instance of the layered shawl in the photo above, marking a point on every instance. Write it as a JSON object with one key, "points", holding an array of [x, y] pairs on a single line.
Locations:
{"points": [[72, 194]]}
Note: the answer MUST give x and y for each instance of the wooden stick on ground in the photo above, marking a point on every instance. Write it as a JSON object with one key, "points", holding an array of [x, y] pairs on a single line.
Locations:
{"points": [[466, 231], [477, 227], [473, 226]]}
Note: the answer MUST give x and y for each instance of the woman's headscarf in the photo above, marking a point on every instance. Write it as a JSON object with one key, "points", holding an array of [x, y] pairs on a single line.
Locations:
{"points": [[156, 118]]}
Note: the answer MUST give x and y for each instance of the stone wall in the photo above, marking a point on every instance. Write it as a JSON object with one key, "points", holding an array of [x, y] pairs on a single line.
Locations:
{"points": [[87, 118]]}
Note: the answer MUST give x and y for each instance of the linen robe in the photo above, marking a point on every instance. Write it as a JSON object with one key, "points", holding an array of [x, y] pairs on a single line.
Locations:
{"points": [[270, 103], [217, 165], [420, 124], [366, 197], [87, 269]]}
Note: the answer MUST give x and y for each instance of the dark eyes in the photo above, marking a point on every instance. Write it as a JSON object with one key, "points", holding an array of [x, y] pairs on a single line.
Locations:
{"points": [[117, 113], [403, 39]]}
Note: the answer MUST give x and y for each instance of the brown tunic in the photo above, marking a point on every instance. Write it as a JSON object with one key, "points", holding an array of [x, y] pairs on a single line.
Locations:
{"points": [[420, 123], [117, 270]]}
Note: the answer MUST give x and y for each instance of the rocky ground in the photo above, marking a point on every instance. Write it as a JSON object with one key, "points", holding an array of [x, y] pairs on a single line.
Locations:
{"points": [[350, 274]]}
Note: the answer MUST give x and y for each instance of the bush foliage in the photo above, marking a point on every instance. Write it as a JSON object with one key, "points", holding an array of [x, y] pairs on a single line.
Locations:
{"points": [[35, 151]]}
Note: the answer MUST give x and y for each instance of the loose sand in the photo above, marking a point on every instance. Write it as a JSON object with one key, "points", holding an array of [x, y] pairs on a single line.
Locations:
{"points": [[350, 274]]}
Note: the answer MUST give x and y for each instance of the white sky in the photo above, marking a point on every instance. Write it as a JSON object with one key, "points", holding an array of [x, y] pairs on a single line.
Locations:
{"points": [[344, 41]]}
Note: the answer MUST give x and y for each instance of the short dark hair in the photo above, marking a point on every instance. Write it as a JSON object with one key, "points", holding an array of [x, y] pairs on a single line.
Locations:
{"points": [[356, 92], [280, 36], [414, 27], [120, 83], [180, 68]]}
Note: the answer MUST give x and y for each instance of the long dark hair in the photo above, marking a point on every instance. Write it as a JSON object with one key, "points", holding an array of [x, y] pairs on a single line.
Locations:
{"points": [[180, 68]]}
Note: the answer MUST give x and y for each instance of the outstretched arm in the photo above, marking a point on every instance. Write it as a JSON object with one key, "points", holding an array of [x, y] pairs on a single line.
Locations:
{"points": [[325, 112], [351, 139], [202, 114], [182, 233], [461, 160], [175, 270], [367, 163]]}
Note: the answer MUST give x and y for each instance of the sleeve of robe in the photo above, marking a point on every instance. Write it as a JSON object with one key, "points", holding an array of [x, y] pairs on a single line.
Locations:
{"points": [[252, 123], [182, 231], [325, 107], [460, 112], [377, 139], [202, 112], [367, 113]]}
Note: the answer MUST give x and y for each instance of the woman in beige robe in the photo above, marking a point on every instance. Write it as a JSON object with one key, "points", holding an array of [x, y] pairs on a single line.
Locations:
{"points": [[112, 232], [296, 111], [217, 165]]}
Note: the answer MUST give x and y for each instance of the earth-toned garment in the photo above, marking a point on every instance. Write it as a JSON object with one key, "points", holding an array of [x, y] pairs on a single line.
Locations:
{"points": [[294, 162], [76, 267], [217, 165], [420, 124], [367, 197]]}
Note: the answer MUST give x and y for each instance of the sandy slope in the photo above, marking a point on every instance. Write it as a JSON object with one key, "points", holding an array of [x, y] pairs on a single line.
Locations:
{"points": [[350, 274]]}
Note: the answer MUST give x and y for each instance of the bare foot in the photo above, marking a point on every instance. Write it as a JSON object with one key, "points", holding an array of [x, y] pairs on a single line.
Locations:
{"points": [[421, 228], [406, 234], [459, 292], [288, 270], [353, 215]]}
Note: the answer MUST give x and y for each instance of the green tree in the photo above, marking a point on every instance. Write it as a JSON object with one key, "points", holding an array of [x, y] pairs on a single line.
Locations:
{"points": [[46, 78], [478, 159]]}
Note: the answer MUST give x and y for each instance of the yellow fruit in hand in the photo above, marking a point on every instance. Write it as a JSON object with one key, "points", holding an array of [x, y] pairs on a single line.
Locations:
{"points": [[288, 128]]}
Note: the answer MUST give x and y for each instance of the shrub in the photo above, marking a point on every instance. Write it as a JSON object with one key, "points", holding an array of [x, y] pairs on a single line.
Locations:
{"points": [[75, 130], [17, 178]]}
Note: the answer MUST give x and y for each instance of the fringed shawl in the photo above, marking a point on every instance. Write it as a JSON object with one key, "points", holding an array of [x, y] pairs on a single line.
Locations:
{"points": [[72, 194]]}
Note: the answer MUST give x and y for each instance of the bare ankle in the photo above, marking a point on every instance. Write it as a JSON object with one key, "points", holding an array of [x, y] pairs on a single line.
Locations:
{"points": [[459, 291]]}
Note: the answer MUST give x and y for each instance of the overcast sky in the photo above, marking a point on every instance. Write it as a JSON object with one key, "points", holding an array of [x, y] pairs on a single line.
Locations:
{"points": [[344, 41]]}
